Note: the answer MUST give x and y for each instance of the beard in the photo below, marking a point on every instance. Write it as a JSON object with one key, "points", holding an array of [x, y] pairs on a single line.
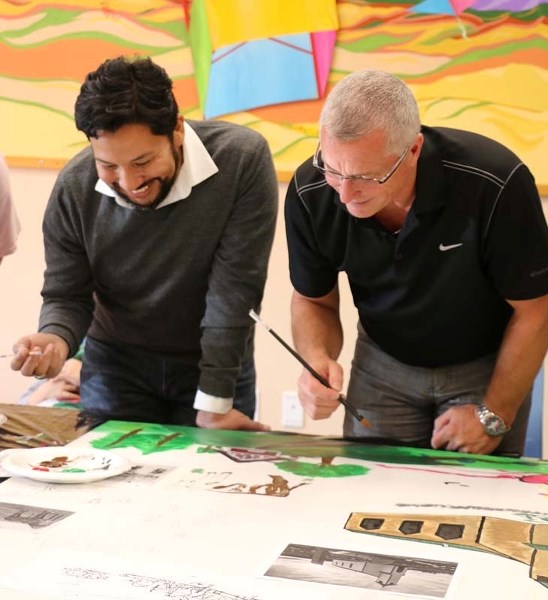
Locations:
{"points": [[166, 183]]}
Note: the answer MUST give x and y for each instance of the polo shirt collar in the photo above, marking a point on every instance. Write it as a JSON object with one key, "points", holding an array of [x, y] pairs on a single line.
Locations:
{"points": [[197, 167], [430, 192]]}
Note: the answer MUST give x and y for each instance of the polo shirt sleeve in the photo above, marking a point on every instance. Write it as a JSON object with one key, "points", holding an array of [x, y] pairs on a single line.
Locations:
{"points": [[311, 273], [516, 240]]}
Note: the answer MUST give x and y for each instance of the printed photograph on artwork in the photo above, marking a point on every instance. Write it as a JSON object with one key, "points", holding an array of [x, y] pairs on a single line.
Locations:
{"points": [[35, 517], [396, 574]]}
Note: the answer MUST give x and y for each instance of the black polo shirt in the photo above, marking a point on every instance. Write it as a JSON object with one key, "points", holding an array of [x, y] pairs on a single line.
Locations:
{"points": [[434, 294]]}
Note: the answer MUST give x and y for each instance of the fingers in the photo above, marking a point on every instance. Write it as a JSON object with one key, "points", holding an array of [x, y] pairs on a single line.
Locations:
{"points": [[318, 401], [441, 421], [335, 375], [233, 419], [67, 395], [459, 430], [40, 363], [251, 425], [40, 355], [27, 360], [22, 349]]}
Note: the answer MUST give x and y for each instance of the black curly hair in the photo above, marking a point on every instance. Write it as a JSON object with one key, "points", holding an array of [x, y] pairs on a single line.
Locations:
{"points": [[126, 91]]}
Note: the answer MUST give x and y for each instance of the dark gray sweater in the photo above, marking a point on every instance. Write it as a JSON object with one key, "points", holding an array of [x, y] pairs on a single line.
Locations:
{"points": [[177, 281]]}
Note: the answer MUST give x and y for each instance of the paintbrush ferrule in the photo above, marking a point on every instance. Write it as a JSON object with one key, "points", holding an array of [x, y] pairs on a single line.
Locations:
{"points": [[258, 319]]}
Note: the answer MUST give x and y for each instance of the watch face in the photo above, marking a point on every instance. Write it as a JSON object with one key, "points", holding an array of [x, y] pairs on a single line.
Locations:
{"points": [[492, 423]]}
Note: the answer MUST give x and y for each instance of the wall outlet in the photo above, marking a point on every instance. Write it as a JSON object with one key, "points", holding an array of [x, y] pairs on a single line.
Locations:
{"points": [[292, 411]]}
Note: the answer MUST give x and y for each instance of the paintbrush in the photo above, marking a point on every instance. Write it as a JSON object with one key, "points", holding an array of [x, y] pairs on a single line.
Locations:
{"points": [[351, 409], [31, 353]]}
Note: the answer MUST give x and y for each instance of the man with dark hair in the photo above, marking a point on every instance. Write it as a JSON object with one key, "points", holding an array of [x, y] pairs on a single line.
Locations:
{"points": [[157, 238], [442, 236]]}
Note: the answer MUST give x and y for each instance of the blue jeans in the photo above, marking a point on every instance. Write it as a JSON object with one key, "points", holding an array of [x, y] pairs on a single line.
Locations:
{"points": [[124, 384], [402, 401]]}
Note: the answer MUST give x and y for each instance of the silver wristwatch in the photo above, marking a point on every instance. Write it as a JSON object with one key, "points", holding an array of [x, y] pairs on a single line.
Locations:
{"points": [[491, 422]]}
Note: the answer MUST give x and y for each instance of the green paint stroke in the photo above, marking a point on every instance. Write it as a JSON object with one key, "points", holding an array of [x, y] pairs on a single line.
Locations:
{"points": [[477, 56], [526, 15], [50, 18], [53, 17], [176, 29], [469, 107], [37, 105], [370, 43], [458, 112], [306, 469], [296, 446]]}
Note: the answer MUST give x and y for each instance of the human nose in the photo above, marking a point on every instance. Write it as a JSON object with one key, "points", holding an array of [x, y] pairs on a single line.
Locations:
{"points": [[129, 180], [347, 190]]}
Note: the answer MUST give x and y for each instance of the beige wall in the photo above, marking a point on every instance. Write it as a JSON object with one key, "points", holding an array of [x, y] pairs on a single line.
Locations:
{"points": [[21, 279]]}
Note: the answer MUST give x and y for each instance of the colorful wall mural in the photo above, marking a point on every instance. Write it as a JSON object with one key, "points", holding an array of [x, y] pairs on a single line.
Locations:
{"points": [[472, 64]]}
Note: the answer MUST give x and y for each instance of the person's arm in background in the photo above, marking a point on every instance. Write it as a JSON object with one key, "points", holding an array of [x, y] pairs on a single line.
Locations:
{"points": [[236, 285], [64, 387], [9, 223], [318, 336]]}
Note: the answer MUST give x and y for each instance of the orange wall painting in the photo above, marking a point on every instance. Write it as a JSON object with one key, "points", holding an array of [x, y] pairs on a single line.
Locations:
{"points": [[473, 64]]}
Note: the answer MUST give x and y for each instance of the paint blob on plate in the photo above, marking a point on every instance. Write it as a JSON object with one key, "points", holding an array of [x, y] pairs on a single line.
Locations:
{"points": [[65, 464]]}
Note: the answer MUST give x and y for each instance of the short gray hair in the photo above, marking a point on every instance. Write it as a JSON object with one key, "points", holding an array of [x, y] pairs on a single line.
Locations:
{"points": [[371, 100]]}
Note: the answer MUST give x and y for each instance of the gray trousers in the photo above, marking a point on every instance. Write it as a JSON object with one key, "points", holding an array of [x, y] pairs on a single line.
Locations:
{"points": [[402, 401]]}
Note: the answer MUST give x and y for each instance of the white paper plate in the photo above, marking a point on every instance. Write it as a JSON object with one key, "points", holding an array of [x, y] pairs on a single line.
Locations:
{"points": [[65, 464]]}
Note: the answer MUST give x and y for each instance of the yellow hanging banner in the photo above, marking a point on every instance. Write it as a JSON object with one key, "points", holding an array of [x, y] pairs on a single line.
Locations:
{"points": [[234, 21]]}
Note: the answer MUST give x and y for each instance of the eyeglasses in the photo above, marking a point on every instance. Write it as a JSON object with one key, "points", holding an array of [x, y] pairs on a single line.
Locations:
{"points": [[318, 163]]}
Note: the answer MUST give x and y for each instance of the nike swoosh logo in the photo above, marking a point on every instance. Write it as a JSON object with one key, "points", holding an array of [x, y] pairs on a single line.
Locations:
{"points": [[444, 248]]}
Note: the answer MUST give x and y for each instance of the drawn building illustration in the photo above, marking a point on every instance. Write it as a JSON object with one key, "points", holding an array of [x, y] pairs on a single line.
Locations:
{"points": [[521, 541]]}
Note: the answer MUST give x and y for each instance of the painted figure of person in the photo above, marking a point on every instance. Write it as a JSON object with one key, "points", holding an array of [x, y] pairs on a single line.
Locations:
{"points": [[443, 239], [9, 222], [157, 238]]}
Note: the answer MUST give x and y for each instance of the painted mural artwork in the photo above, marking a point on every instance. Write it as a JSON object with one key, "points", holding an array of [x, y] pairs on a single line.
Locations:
{"points": [[472, 64], [316, 451], [278, 515]]}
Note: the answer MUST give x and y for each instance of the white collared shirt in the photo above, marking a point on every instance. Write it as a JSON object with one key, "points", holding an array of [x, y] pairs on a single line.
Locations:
{"points": [[197, 167]]}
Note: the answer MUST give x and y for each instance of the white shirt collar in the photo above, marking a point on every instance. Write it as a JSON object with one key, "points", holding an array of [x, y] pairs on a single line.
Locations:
{"points": [[197, 167]]}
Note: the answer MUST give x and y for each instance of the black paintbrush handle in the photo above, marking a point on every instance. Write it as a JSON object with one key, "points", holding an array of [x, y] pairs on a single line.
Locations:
{"points": [[351, 409], [303, 362]]}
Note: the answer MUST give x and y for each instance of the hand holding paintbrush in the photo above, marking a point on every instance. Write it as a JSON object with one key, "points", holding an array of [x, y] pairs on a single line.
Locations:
{"points": [[351, 409]]}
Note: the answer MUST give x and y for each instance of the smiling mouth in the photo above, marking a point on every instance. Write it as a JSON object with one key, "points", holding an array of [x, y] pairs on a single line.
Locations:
{"points": [[142, 188]]}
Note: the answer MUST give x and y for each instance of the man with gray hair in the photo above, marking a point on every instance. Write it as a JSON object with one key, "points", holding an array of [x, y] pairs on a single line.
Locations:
{"points": [[443, 239]]}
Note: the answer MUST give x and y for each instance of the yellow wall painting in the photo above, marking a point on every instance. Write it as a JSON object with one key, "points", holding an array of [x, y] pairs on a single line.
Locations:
{"points": [[472, 64]]}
